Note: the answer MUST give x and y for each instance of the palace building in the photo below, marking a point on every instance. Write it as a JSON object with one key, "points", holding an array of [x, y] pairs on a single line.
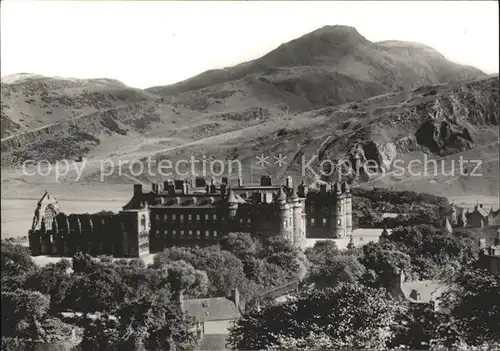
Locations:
{"points": [[197, 212]]}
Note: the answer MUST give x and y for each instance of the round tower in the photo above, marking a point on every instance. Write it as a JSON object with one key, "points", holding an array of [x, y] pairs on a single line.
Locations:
{"points": [[285, 225], [297, 218], [337, 220]]}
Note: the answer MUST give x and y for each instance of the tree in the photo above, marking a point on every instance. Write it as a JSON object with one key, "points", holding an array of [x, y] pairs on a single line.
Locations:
{"points": [[52, 280], [21, 310], [335, 270], [242, 245], [102, 290], [383, 259], [152, 322], [17, 265], [474, 299], [183, 277], [347, 316]]}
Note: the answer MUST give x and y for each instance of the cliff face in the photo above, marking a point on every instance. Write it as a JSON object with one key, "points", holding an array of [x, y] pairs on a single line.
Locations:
{"points": [[439, 121]]}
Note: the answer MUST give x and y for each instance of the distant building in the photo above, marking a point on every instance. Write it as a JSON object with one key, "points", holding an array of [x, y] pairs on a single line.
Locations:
{"points": [[183, 213], [420, 292], [121, 235], [489, 257], [477, 218], [213, 318]]}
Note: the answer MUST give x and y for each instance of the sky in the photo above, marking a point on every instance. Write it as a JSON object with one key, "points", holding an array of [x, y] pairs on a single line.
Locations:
{"points": [[145, 44]]}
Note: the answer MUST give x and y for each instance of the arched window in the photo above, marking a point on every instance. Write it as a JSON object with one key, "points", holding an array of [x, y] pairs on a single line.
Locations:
{"points": [[48, 217]]}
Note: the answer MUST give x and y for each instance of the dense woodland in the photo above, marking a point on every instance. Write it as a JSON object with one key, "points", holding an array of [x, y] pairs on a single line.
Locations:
{"points": [[343, 300]]}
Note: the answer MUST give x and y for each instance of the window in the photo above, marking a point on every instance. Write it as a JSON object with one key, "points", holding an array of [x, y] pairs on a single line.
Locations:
{"points": [[190, 233], [249, 220], [241, 220], [215, 233], [207, 233], [339, 222], [174, 233], [165, 232], [181, 217], [165, 217], [339, 208], [157, 217], [182, 233], [158, 233], [173, 216], [312, 221], [190, 217], [206, 217], [198, 234], [197, 217], [324, 221], [284, 224], [214, 217]]}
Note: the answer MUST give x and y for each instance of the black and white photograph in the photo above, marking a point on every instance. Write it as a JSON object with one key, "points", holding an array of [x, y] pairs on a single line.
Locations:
{"points": [[250, 175]]}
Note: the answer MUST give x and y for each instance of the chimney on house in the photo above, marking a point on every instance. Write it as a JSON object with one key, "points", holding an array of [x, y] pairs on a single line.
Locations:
{"points": [[482, 243], [265, 181], [396, 288], [179, 299], [235, 297], [137, 189]]}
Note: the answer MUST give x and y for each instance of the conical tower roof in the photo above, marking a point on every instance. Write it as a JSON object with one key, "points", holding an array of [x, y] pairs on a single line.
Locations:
{"points": [[447, 226], [281, 195], [231, 197]]}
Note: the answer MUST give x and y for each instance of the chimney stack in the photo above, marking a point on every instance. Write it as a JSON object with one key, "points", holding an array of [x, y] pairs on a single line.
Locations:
{"points": [[265, 181], [179, 299], [137, 189], [235, 297]]}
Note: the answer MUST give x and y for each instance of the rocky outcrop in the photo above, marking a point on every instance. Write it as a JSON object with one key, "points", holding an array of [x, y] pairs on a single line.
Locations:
{"points": [[442, 139], [73, 137]]}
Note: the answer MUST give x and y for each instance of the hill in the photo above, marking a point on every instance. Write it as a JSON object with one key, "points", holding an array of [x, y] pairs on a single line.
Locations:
{"points": [[330, 93], [332, 65]]}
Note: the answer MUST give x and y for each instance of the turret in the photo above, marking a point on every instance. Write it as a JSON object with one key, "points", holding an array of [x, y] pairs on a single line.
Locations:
{"points": [[137, 189], [285, 225], [463, 219], [338, 211], [232, 204], [298, 220]]}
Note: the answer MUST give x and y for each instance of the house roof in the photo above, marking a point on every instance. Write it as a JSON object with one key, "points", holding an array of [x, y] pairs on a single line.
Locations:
{"points": [[212, 309], [428, 290], [482, 212]]}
